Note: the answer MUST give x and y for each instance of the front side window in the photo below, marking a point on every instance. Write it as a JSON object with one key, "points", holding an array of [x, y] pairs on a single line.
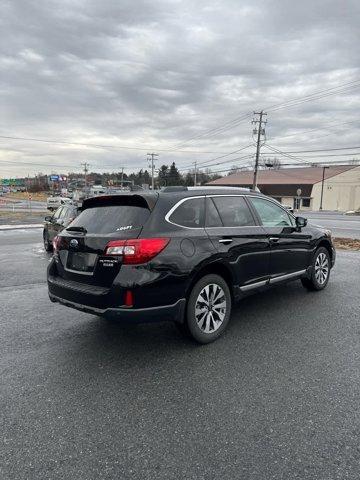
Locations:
{"points": [[189, 213], [234, 211], [270, 214]]}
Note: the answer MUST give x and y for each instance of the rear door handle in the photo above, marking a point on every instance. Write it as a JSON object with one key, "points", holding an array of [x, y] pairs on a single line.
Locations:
{"points": [[274, 239], [225, 240]]}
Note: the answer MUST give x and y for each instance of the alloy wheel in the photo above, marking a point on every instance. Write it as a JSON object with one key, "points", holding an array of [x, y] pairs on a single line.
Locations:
{"points": [[210, 308], [321, 268]]}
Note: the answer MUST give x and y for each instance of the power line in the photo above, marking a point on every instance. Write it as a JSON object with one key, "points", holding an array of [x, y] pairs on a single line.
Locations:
{"points": [[115, 147], [206, 162], [319, 150], [221, 163], [348, 86], [215, 131], [304, 132], [303, 159], [314, 96], [352, 154]]}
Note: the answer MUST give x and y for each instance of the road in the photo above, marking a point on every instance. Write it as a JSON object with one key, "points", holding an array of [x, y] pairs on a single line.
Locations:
{"points": [[277, 397], [344, 226], [13, 204]]}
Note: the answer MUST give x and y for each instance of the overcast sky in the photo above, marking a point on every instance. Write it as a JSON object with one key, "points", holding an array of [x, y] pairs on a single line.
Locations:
{"points": [[152, 74]]}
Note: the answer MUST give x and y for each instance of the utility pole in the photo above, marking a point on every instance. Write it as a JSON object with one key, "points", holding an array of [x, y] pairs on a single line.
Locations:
{"points": [[259, 131], [152, 155], [122, 177], [86, 169], [195, 164], [322, 188]]}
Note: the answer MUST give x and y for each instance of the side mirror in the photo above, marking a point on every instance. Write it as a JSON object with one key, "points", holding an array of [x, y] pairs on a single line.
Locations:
{"points": [[48, 218], [301, 222]]}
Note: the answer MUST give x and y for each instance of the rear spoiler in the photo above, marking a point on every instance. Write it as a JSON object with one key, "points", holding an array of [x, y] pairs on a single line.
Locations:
{"points": [[145, 200]]}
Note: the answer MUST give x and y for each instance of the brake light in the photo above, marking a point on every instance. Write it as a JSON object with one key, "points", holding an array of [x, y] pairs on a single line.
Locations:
{"points": [[56, 243], [139, 250]]}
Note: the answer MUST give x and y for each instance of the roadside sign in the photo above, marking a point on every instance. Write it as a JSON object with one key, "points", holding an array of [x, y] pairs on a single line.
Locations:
{"points": [[54, 178]]}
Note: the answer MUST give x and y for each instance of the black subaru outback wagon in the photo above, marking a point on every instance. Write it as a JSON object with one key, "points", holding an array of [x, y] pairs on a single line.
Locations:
{"points": [[184, 256]]}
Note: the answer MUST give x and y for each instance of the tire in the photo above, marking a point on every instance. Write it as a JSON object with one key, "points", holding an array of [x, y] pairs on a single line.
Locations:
{"points": [[320, 271], [205, 319], [47, 244]]}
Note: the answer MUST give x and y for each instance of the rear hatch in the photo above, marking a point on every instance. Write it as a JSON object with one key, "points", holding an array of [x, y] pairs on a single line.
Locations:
{"points": [[81, 245]]}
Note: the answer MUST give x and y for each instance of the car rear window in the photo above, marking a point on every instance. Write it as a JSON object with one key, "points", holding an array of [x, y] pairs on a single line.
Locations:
{"points": [[112, 218]]}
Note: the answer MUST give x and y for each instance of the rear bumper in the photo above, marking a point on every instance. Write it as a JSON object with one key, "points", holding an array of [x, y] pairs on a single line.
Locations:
{"points": [[174, 312]]}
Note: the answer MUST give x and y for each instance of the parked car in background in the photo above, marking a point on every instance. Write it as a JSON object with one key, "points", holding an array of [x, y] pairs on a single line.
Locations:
{"points": [[53, 203], [55, 223], [97, 190], [184, 256]]}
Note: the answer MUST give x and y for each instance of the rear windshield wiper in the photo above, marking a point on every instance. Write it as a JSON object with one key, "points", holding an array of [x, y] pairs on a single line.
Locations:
{"points": [[76, 229]]}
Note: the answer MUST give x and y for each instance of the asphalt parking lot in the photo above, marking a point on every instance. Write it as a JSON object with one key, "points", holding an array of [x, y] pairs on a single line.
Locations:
{"points": [[277, 397]]}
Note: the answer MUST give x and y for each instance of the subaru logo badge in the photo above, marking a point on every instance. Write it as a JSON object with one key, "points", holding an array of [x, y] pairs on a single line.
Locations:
{"points": [[74, 243]]}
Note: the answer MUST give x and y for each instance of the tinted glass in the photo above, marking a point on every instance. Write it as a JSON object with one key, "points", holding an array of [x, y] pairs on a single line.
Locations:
{"points": [[189, 214], [212, 215], [270, 214], [234, 211], [112, 218]]}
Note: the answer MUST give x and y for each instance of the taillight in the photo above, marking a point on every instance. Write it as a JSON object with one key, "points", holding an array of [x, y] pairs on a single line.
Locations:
{"points": [[56, 244], [139, 250]]}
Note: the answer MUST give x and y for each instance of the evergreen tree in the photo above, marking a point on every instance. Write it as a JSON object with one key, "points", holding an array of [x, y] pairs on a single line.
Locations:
{"points": [[174, 176]]}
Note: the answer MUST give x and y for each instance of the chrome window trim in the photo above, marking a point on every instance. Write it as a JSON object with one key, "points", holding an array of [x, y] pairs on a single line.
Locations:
{"points": [[240, 226], [214, 195]]}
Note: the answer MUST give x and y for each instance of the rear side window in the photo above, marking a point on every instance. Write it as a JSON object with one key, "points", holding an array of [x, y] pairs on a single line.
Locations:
{"points": [[234, 211], [189, 213], [112, 218], [212, 215]]}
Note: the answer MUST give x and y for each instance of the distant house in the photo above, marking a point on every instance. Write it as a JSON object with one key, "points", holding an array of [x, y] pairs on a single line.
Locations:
{"points": [[341, 186]]}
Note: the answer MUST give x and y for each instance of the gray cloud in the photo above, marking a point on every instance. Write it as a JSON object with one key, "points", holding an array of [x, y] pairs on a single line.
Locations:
{"points": [[154, 73]]}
